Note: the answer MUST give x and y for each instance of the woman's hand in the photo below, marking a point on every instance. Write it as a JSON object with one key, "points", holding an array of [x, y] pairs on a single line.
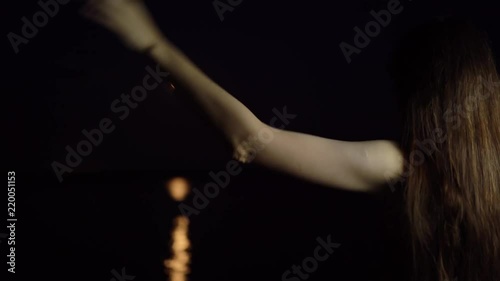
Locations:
{"points": [[129, 19]]}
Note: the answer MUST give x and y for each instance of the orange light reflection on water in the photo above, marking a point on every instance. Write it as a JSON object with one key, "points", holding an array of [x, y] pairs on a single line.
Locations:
{"points": [[177, 267]]}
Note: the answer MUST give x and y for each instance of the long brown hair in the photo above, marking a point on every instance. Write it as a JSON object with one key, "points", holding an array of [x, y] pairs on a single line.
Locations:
{"points": [[450, 101]]}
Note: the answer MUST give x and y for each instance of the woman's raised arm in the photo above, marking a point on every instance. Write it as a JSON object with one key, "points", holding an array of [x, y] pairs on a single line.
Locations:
{"points": [[357, 166]]}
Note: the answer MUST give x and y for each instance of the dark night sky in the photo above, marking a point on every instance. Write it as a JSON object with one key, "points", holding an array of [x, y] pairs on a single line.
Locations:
{"points": [[112, 211]]}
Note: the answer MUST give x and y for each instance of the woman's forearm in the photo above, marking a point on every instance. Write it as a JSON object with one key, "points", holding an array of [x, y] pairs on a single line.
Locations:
{"points": [[235, 120]]}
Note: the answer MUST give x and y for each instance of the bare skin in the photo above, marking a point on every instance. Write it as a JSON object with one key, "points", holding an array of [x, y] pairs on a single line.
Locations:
{"points": [[357, 166]]}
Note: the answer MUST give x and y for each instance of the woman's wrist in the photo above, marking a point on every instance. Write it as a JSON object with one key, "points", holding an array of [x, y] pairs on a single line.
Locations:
{"points": [[161, 51]]}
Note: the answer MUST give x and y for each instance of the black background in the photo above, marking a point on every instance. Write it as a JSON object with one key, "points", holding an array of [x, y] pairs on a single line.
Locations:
{"points": [[112, 211]]}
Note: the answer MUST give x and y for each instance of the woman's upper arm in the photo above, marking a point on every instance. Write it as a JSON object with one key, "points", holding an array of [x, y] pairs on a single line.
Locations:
{"points": [[356, 166]]}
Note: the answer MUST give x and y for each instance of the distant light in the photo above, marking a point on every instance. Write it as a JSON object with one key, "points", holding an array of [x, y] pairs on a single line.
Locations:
{"points": [[177, 267], [178, 188], [170, 87]]}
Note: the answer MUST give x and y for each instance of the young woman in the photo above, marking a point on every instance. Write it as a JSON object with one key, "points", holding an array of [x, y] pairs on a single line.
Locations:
{"points": [[448, 160]]}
